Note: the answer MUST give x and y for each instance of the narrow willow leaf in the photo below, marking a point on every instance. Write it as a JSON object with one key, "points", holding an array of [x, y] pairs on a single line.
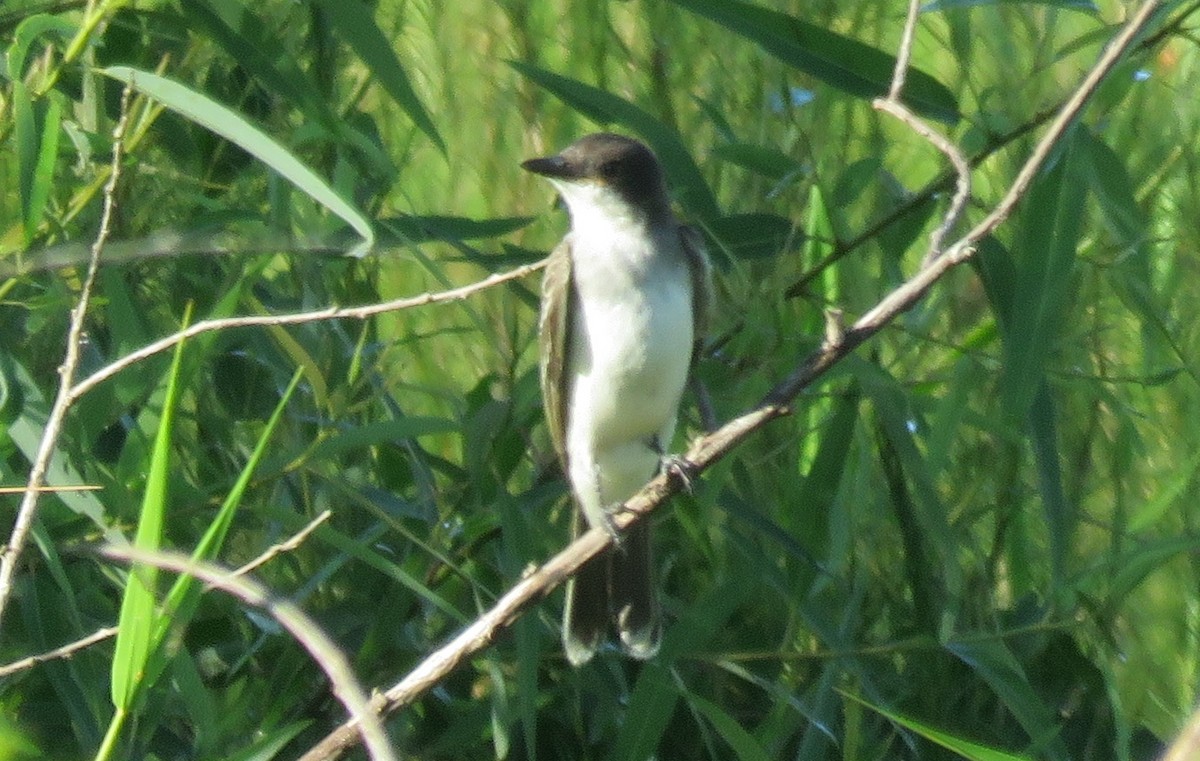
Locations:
{"points": [[43, 172], [605, 108], [751, 236], [181, 599], [842, 62], [744, 746], [969, 750], [238, 130], [27, 33], [138, 618], [1051, 217], [768, 162], [996, 665], [1060, 517], [354, 22], [1070, 5], [650, 708], [381, 432], [26, 138], [247, 40]]}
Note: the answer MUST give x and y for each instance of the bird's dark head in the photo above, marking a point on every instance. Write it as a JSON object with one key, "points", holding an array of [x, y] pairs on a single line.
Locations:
{"points": [[604, 166]]}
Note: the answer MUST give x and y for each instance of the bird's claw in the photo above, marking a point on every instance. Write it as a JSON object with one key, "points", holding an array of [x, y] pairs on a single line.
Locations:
{"points": [[679, 467]]}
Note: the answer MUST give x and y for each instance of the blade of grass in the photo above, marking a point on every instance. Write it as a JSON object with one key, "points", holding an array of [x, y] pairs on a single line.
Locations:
{"points": [[180, 602], [139, 619]]}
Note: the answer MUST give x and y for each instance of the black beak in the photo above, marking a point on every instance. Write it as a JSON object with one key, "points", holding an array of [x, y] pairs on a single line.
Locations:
{"points": [[551, 166]]}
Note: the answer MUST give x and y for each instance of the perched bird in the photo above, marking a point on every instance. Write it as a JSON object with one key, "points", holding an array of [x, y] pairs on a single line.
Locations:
{"points": [[623, 306]]}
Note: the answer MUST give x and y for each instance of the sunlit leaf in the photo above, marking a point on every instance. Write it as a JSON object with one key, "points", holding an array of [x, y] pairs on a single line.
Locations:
{"points": [[235, 128]]}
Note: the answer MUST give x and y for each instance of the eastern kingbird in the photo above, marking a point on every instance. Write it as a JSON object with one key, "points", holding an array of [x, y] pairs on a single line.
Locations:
{"points": [[623, 307]]}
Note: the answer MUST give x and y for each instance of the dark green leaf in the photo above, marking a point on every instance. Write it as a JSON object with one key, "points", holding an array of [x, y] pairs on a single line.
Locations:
{"points": [[996, 665], [769, 162], [353, 20], [1050, 225], [1070, 5], [752, 236], [840, 61]]}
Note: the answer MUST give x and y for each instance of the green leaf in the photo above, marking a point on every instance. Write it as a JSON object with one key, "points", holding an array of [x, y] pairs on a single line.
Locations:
{"points": [[769, 162], [421, 229], [27, 32], [605, 108], [1069, 5], [1060, 518], [26, 139], [353, 21], [139, 619], [752, 236], [650, 708], [235, 128], [180, 602], [1110, 182], [996, 665], [43, 172], [248, 41], [1051, 218], [744, 745], [381, 432], [965, 748], [844, 63]]}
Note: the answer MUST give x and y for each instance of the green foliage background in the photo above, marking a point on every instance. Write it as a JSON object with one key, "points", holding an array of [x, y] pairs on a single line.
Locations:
{"points": [[981, 525]]}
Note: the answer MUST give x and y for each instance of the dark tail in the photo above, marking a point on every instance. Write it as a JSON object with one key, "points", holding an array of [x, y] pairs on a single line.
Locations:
{"points": [[619, 586]]}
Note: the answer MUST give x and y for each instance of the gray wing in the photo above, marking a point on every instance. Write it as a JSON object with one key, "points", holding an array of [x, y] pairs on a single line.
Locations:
{"points": [[553, 327], [701, 271]]}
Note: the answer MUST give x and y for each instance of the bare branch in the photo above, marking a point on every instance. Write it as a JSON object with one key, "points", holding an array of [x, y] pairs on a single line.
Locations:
{"points": [[50, 489], [1059, 125], [305, 630], [27, 510], [709, 449], [286, 546], [904, 54], [962, 172], [297, 318], [892, 105], [66, 651]]}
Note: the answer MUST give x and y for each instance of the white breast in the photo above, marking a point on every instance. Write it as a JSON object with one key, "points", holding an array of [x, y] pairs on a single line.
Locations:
{"points": [[631, 350]]}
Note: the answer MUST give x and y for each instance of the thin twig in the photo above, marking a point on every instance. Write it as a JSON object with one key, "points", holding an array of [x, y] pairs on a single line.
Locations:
{"points": [[305, 630], [962, 172], [904, 54], [66, 372], [707, 450], [297, 318], [285, 546], [65, 651], [892, 105], [50, 489]]}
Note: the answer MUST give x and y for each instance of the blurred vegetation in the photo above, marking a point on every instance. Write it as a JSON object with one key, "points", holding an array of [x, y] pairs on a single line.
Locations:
{"points": [[972, 535]]}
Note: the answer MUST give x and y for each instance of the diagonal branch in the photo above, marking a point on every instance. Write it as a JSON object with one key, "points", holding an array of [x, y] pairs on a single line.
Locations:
{"points": [[27, 511], [707, 450], [296, 318], [305, 630]]}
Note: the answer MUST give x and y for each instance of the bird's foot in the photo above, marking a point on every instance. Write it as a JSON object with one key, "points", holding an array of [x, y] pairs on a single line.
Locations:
{"points": [[681, 468]]}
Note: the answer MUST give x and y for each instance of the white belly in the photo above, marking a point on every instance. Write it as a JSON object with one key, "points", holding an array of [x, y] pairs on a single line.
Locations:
{"points": [[631, 351]]}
